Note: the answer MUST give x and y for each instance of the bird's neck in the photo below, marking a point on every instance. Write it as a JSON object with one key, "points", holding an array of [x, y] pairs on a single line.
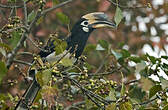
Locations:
{"points": [[77, 41]]}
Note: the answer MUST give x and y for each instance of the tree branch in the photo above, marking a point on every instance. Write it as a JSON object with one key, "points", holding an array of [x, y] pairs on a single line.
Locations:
{"points": [[102, 64], [15, 50], [105, 73], [26, 33], [25, 53], [22, 62], [55, 7], [101, 99], [126, 7], [127, 83], [13, 6], [146, 102], [25, 13], [41, 49]]}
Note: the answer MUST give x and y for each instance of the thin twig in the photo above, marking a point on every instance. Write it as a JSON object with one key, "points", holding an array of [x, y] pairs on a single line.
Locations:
{"points": [[105, 73], [94, 101], [41, 49], [25, 53], [22, 62], [42, 105], [102, 64], [3, 15], [146, 102], [25, 34], [15, 50], [20, 43], [86, 93], [25, 13], [127, 83], [11, 12], [55, 7], [10, 30], [126, 7], [101, 99], [13, 6]]}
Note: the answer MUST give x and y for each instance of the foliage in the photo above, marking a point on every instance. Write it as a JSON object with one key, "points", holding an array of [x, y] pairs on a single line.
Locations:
{"points": [[115, 73]]}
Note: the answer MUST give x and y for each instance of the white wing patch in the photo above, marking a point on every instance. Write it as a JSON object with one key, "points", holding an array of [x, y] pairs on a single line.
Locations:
{"points": [[53, 58]]}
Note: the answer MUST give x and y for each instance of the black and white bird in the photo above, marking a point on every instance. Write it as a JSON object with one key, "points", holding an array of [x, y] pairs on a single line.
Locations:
{"points": [[79, 36]]}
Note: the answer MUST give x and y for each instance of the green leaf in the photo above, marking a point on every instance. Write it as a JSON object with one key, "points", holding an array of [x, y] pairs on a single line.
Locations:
{"points": [[3, 52], [31, 16], [40, 20], [74, 89], [16, 35], [5, 46], [125, 106], [136, 92], [3, 96], [125, 53], [88, 66], [164, 67], [99, 47], [55, 2], [63, 18], [49, 92], [120, 44], [140, 66], [146, 81], [165, 107], [112, 94], [164, 57], [116, 54], [123, 89], [60, 46], [43, 77], [118, 16], [89, 48], [10, 97], [164, 82], [111, 106], [104, 44], [89, 104], [154, 90], [152, 58], [144, 72], [67, 62], [3, 70], [135, 59]]}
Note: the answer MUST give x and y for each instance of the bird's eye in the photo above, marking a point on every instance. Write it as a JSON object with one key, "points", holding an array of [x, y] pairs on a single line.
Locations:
{"points": [[84, 23]]}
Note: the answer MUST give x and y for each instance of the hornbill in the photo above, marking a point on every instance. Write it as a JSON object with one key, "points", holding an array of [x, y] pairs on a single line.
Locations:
{"points": [[79, 36]]}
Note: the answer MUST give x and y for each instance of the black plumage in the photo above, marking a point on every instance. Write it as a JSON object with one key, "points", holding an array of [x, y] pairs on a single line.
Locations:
{"points": [[77, 40], [75, 44]]}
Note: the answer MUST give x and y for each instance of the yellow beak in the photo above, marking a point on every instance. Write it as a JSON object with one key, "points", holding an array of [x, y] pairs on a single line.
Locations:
{"points": [[99, 20]]}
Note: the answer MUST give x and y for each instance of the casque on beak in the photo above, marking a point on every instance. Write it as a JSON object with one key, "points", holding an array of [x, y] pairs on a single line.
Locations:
{"points": [[99, 20]]}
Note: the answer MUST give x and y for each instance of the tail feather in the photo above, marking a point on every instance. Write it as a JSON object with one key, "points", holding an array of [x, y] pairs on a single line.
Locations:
{"points": [[28, 96]]}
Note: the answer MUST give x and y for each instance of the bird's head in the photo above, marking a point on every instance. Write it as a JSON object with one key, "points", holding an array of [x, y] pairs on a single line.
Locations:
{"points": [[82, 29], [92, 21]]}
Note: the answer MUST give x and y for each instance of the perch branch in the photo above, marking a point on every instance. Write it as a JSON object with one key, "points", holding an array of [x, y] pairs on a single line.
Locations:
{"points": [[22, 62], [26, 33]]}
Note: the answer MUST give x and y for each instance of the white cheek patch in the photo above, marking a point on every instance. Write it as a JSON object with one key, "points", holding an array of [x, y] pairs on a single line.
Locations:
{"points": [[85, 29]]}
